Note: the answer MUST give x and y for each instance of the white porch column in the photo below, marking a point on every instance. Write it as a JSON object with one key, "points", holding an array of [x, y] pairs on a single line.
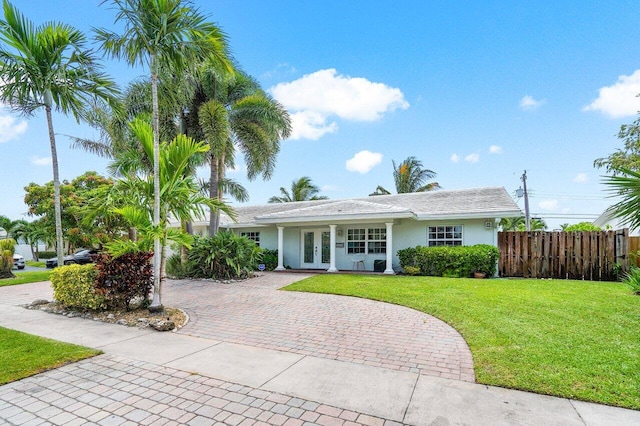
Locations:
{"points": [[332, 249], [389, 268], [280, 249]]}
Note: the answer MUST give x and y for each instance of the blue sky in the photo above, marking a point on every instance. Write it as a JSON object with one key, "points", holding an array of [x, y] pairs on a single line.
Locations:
{"points": [[478, 92]]}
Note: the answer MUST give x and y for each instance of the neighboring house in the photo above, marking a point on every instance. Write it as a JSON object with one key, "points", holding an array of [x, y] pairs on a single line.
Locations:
{"points": [[366, 233], [608, 221]]}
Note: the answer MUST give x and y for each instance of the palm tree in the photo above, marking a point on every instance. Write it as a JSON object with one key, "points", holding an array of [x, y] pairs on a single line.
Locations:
{"points": [[181, 194], [33, 233], [49, 66], [512, 223], [409, 176], [518, 224], [625, 185], [166, 36], [233, 112], [14, 228], [301, 190]]}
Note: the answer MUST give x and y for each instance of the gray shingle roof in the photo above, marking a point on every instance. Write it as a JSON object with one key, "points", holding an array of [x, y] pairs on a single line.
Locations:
{"points": [[459, 203]]}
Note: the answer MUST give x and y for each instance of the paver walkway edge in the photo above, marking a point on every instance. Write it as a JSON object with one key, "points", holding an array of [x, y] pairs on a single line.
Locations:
{"points": [[400, 396]]}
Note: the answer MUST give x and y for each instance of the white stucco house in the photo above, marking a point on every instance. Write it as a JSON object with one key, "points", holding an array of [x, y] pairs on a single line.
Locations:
{"points": [[608, 221], [366, 233]]}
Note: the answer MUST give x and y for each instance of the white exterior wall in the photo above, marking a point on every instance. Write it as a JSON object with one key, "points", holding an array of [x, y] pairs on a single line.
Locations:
{"points": [[406, 233], [412, 233]]}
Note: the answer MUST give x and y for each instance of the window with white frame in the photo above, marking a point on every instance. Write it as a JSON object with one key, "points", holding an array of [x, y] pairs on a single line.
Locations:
{"points": [[366, 241], [356, 241], [254, 236], [377, 240], [448, 235]]}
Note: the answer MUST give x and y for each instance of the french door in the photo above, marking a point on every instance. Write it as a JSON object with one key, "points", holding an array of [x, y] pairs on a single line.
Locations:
{"points": [[315, 250]]}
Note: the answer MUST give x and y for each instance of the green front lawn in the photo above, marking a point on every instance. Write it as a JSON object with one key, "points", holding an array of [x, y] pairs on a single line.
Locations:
{"points": [[36, 264], [26, 277], [574, 339], [24, 355]]}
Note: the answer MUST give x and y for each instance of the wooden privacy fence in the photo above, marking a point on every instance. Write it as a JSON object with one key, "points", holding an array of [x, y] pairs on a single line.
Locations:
{"points": [[589, 255]]}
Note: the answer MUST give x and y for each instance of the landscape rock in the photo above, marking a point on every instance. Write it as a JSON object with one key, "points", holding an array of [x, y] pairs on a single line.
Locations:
{"points": [[39, 302], [162, 325]]}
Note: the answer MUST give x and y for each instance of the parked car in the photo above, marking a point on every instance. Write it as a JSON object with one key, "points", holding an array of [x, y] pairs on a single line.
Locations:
{"points": [[18, 261], [83, 257], [80, 257]]}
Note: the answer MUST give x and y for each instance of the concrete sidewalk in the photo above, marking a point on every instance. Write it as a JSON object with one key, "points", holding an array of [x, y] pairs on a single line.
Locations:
{"points": [[343, 392]]}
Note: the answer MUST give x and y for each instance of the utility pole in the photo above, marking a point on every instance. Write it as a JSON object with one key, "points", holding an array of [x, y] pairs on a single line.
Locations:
{"points": [[527, 220]]}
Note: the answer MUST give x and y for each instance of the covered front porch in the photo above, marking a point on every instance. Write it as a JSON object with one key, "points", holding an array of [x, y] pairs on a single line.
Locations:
{"points": [[332, 249], [345, 235]]}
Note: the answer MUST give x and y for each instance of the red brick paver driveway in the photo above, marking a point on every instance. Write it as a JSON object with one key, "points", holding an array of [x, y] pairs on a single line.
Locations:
{"points": [[349, 329]]}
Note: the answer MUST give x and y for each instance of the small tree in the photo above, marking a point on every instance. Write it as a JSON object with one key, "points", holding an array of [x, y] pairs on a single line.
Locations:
{"points": [[7, 247]]}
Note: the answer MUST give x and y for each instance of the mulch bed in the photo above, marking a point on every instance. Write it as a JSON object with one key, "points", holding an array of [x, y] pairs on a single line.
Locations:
{"points": [[139, 317]]}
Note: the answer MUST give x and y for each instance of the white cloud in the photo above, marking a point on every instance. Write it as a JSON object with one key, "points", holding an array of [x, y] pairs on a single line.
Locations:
{"points": [[315, 97], [41, 161], [454, 158], [581, 178], [620, 99], [10, 129], [495, 149], [279, 70], [549, 205], [364, 161], [529, 103], [472, 158], [310, 125]]}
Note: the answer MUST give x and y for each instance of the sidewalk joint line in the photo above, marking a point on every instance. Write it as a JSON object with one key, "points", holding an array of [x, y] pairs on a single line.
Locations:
{"points": [[413, 391], [303, 357]]}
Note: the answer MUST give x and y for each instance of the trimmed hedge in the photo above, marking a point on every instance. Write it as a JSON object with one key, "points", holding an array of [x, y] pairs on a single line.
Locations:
{"points": [[73, 286], [450, 261], [47, 254]]}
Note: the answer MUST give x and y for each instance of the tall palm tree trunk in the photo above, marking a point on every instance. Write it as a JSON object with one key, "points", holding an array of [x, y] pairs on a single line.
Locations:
{"points": [[56, 187], [214, 183], [156, 303]]}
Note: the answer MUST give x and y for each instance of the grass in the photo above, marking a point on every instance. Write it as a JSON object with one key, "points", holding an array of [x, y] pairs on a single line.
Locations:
{"points": [[36, 264], [24, 355], [26, 277], [573, 339]]}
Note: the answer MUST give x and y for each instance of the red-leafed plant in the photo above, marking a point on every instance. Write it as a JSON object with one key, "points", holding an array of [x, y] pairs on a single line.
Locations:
{"points": [[124, 278]]}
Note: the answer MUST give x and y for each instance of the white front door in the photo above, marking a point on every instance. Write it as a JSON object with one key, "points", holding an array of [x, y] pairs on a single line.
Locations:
{"points": [[315, 250]]}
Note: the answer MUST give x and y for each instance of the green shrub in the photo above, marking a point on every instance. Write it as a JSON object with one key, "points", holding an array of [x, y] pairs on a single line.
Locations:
{"points": [[223, 256], [175, 268], [270, 259], [632, 279], [582, 226], [124, 278], [73, 286], [47, 254], [448, 261], [412, 270]]}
